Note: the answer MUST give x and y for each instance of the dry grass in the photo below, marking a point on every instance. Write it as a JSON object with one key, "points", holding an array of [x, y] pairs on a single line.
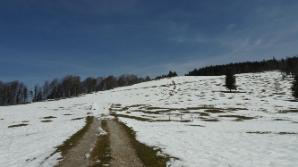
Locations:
{"points": [[17, 125], [150, 156], [74, 119], [269, 132], [195, 125], [238, 117], [288, 111], [74, 139], [49, 117], [214, 111], [132, 117], [46, 121], [101, 153]]}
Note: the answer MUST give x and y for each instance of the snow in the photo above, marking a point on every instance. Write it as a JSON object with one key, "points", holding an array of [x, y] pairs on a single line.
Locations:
{"points": [[223, 143], [251, 128]]}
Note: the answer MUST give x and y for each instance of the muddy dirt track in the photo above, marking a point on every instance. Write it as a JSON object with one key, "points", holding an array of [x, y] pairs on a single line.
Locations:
{"points": [[122, 152]]}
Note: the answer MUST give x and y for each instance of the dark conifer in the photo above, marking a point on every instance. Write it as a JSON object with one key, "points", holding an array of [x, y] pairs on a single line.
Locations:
{"points": [[288, 66], [172, 74], [230, 81], [295, 86]]}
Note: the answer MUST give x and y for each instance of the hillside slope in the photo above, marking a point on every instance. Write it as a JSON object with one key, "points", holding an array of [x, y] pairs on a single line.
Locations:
{"points": [[189, 118]]}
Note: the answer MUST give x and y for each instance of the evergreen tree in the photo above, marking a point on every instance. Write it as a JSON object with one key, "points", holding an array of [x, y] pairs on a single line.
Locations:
{"points": [[230, 81], [288, 66], [169, 75], [172, 74], [295, 87]]}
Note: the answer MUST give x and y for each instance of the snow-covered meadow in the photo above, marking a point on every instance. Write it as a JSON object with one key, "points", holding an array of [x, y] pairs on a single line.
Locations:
{"points": [[191, 119]]}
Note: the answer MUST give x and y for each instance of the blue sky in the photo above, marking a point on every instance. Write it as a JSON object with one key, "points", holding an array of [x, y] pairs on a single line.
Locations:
{"points": [[45, 39]]}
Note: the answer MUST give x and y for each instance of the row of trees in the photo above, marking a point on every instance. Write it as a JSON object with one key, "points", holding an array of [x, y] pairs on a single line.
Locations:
{"points": [[17, 93], [289, 66], [71, 86], [13, 93], [169, 75]]}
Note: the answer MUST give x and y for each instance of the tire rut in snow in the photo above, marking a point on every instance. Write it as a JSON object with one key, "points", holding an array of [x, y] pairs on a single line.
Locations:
{"points": [[78, 155], [122, 151], [114, 149]]}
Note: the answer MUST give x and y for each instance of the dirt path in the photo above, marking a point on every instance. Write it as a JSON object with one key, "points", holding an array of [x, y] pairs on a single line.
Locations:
{"points": [[122, 151], [77, 156]]}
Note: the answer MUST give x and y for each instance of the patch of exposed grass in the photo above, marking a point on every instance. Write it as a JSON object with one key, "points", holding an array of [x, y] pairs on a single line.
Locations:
{"points": [[46, 121], [150, 156], [213, 111], [229, 91], [147, 119], [152, 111], [210, 119], [280, 119], [235, 109], [185, 120], [147, 109], [101, 153], [74, 139], [150, 116], [79, 118], [287, 133], [156, 108], [204, 114], [136, 105], [49, 117], [238, 117], [30, 159], [132, 117], [203, 107], [195, 125], [117, 107], [288, 111], [17, 125], [259, 132], [269, 132]]}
